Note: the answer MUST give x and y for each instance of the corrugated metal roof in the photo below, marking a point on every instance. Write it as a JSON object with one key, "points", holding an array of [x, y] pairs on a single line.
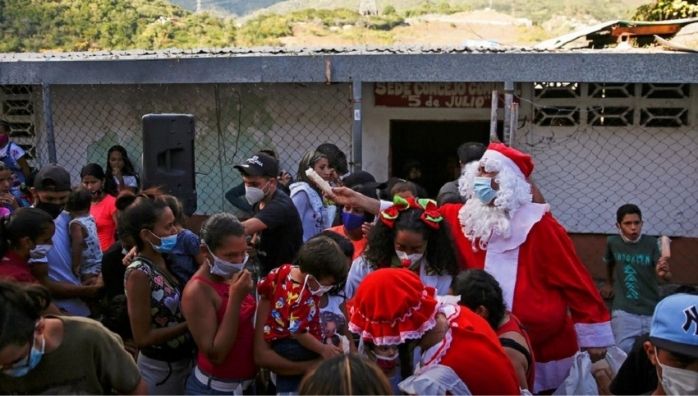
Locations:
{"points": [[281, 51]]}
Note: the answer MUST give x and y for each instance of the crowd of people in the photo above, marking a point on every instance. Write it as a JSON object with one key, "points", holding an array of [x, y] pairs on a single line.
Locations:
{"points": [[360, 288]]}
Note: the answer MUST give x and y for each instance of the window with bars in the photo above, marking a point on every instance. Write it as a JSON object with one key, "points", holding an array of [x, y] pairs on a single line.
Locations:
{"points": [[611, 104]]}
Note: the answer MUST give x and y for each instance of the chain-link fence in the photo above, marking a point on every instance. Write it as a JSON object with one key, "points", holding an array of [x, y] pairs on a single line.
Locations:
{"points": [[599, 146], [596, 146], [232, 123]]}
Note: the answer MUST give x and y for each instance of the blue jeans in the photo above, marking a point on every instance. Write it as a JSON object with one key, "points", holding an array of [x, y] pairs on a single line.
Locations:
{"points": [[291, 350], [627, 327]]}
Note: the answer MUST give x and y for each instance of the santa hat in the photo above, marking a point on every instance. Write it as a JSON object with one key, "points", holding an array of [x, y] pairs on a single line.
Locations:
{"points": [[515, 160], [392, 306]]}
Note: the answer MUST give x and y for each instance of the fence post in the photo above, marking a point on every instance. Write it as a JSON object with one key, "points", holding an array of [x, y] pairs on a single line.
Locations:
{"points": [[514, 123], [508, 100], [48, 123], [493, 116], [356, 129]]}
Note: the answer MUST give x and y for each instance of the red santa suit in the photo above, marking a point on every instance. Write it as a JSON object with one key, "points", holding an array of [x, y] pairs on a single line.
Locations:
{"points": [[544, 284]]}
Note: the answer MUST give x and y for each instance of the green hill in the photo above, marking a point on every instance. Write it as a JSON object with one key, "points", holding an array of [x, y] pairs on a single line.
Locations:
{"points": [[80, 25], [537, 11]]}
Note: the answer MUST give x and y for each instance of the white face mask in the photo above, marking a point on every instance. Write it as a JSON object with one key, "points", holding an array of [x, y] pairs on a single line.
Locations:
{"points": [[253, 195], [317, 292], [226, 269], [388, 358], [677, 381], [411, 258], [627, 240], [40, 251]]}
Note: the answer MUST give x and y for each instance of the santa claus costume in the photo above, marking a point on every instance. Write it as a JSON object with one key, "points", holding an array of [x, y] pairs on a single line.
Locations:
{"points": [[392, 306], [530, 254]]}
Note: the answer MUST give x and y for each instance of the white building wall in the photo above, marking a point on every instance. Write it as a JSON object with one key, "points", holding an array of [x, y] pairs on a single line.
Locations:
{"points": [[232, 123], [584, 171]]}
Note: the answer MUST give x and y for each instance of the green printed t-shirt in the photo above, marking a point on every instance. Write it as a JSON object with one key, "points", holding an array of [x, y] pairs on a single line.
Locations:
{"points": [[90, 360], [635, 286]]}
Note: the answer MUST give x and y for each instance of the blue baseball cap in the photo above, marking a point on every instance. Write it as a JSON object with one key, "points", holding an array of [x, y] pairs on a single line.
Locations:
{"points": [[675, 324]]}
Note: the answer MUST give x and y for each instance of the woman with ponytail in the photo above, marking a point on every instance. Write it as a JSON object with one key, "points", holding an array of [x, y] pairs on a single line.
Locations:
{"points": [[26, 230], [58, 354]]}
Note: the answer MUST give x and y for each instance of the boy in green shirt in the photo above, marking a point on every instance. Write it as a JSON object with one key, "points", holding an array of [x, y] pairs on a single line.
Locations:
{"points": [[634, 267]]}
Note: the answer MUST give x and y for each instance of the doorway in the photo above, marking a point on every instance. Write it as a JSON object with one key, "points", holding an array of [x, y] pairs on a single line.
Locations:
{"points": [[433, 145]]}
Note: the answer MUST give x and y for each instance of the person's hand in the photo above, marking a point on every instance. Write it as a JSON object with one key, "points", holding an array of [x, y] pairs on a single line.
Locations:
{"points": [[607, 291], [284, 178], [663, 269], [344, 196], [241, 284], [366, 228], [595, 353], [330, 350], [96, 286], [7, 199], [128, 258]]}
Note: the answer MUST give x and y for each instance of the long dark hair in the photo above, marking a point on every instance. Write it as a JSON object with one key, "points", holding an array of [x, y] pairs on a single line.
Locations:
{"points": [[440, 255], [110, 185], [21, 307], [350, 374], [24, 222], [308, 161], [143, 213], [94, 170]]}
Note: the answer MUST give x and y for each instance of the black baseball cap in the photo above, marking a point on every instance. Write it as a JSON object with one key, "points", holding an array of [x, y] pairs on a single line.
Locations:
{"points": [[359, 177], [52, 178], [259, 164]]}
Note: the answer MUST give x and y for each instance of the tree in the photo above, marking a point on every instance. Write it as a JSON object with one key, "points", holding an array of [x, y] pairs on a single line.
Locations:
{"points": [[661, 10]]}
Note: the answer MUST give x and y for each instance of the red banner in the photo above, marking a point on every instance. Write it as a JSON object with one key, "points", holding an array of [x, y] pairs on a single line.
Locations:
{"points": [[445, 95]]}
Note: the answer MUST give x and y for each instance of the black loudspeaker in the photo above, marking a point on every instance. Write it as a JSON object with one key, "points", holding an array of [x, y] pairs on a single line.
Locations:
{"points": [[168, 156]]}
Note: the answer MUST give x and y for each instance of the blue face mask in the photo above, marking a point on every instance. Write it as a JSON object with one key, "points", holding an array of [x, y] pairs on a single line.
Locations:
{"points": [[352, 221], [166, 243], [31, 362], [483, 189]]}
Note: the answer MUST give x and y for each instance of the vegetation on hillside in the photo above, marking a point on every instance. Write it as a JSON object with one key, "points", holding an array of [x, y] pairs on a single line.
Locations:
{"points": [[81, 25], [78, 25], [660, 10]]}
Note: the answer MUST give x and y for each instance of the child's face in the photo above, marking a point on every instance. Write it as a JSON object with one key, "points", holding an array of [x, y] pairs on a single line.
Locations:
{"points": [[410, 242], [322, 285], [4, 137], [92, 184], [5, 181], [631, 226], [322, 167], [385, 350], [116, 161]]}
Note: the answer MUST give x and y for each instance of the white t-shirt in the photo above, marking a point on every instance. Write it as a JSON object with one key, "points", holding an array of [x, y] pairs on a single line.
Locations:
{"points": [[360, 268], [129, 181]]}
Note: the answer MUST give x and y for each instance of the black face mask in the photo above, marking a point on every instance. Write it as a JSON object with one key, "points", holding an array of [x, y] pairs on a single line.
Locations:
{"points": [[52, 209]]}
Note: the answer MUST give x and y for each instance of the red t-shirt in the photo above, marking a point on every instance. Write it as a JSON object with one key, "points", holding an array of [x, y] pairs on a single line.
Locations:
{"points": [[13, 267], [294, 310], [359, 246], [239, 362], [103, 212]]}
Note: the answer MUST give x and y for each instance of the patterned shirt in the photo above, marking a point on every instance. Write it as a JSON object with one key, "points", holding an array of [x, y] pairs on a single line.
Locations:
{"points": [[165, 309], [294, 310]]}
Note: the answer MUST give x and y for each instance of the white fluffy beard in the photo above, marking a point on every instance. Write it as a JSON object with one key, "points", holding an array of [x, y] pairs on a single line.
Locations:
{"points": [[479, 221]]}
